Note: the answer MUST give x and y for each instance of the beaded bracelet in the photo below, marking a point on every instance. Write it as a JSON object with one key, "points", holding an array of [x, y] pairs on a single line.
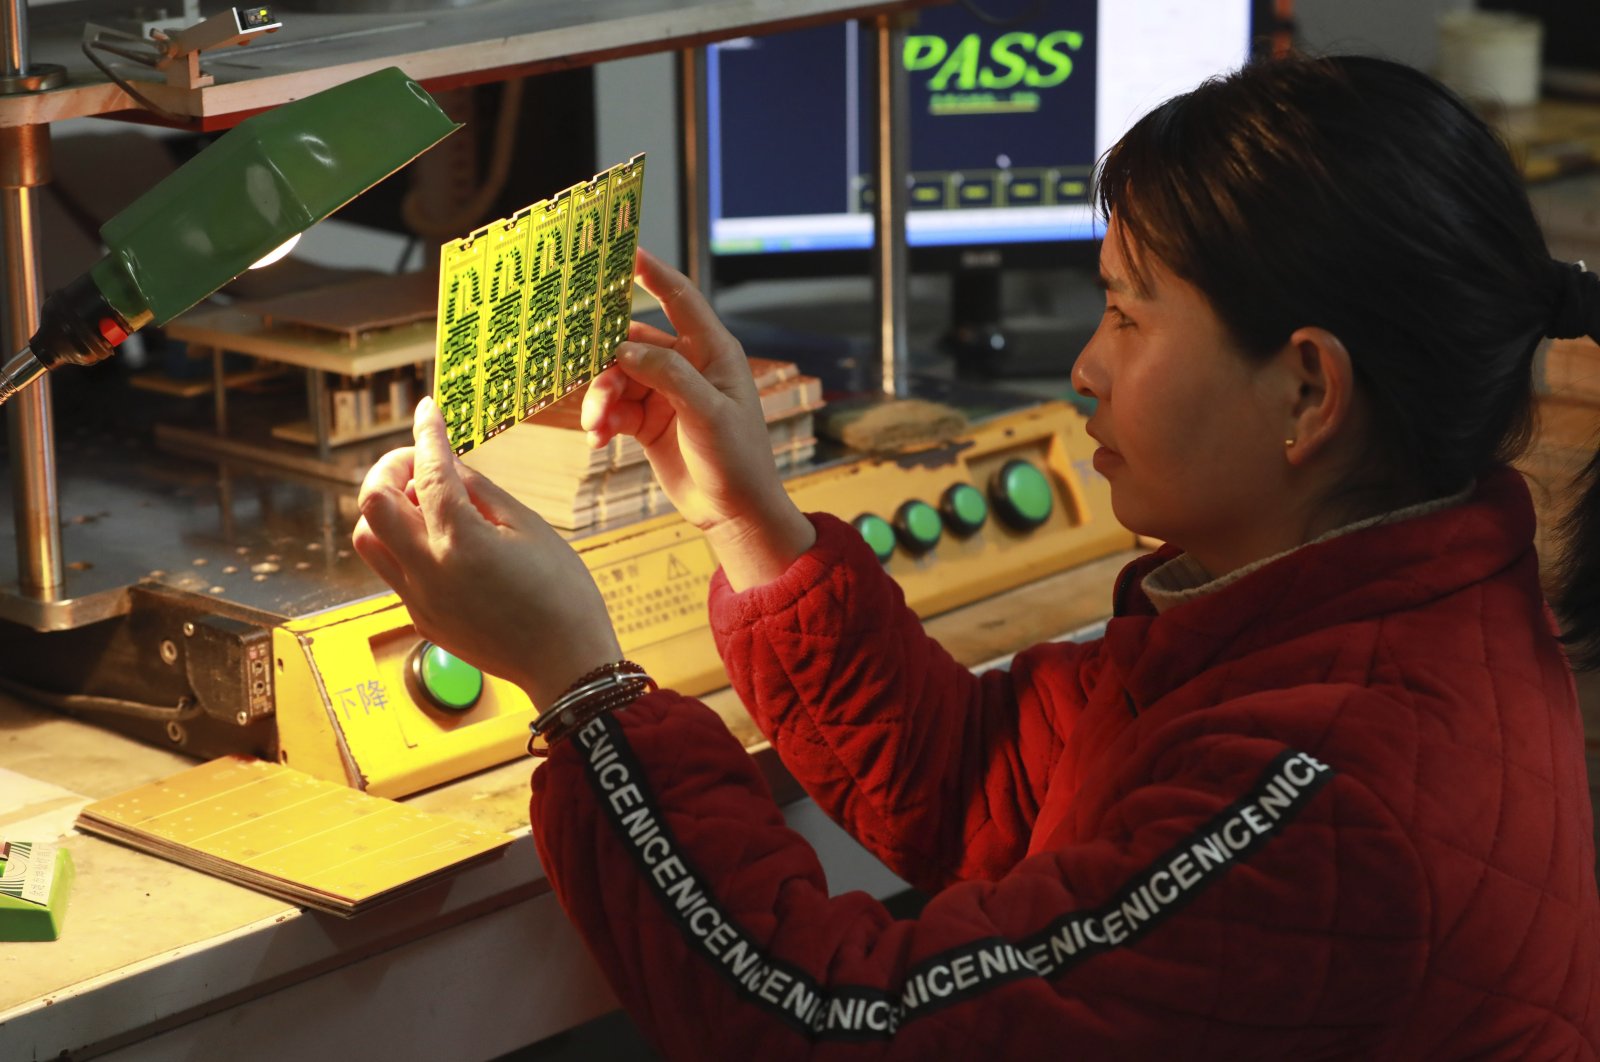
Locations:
{"points": [[606, 688]]}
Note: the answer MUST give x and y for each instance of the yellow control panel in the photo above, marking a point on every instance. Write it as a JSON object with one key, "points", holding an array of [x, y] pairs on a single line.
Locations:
{"points": [[361, 699]]}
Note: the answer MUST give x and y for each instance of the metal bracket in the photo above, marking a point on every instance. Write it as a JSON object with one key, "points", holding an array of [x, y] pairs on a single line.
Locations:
{"points": [[176, 53], [180, 51]]}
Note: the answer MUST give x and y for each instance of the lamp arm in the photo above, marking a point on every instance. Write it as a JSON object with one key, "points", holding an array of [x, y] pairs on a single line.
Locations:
{"points": [[19, 370]]}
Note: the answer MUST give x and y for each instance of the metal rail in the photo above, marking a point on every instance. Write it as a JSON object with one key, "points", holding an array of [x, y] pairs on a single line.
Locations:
{"points": [[25, 151]]}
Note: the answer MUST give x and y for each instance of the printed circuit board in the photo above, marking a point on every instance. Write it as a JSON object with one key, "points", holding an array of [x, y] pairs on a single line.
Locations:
{"points": [[532, 307]]}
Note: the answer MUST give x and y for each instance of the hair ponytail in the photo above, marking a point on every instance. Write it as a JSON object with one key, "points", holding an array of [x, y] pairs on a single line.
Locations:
{"points": [[1576, 314]]}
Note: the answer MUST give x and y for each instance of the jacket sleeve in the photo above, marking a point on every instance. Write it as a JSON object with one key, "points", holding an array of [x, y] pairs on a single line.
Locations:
{"points": [[1248, 901], [939, 773]]}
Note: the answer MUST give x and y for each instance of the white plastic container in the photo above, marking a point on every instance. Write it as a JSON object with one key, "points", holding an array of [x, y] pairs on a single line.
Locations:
{"points": [[1491, 57]]}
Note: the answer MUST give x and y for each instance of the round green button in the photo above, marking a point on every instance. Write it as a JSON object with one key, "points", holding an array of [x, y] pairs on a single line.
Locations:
{"points": [[448, 681], [964, 509], [1022, 494], [918, 525], [879, 535]]}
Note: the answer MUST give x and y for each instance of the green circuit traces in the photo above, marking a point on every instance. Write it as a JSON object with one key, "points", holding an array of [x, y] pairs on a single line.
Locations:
{"points": [[455, 372], [502, 342], [532, 307], [580, 294], [541, 331], [616, 274]]}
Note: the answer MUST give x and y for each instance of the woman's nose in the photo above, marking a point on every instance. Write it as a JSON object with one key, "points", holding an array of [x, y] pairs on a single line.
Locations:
{"points": [[1086, 376]]}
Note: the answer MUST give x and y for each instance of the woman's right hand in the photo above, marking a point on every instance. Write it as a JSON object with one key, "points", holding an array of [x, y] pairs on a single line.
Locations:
{"points": [[691, 402]]}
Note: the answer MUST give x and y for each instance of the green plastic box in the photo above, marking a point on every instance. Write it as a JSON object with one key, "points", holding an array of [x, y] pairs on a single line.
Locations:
{"points": [[35, 878]]}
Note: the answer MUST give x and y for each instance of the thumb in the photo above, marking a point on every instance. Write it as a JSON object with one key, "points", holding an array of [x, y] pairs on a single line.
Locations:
{"points": [[436, 474]]}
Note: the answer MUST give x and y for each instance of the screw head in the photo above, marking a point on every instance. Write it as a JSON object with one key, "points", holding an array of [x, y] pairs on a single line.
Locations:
{"points": [[169, 651]]}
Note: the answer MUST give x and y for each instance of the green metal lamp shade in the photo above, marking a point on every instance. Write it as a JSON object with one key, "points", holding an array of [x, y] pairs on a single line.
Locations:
{"points": [[268, 179], [272, 176]]}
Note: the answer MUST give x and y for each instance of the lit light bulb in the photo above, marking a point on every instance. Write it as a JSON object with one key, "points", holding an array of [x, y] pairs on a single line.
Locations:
{"points": [[273, 255]]}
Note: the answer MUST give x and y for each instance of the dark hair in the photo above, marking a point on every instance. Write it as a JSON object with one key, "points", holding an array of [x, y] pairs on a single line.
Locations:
{"points": [[1361, 196]]}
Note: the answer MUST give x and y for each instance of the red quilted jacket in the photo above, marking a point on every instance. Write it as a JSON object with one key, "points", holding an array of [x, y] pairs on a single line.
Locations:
{"points": [[1336, 808]]}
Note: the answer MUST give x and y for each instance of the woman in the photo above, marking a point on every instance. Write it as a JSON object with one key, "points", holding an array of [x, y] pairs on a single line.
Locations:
{"points": [[1319, 791]]}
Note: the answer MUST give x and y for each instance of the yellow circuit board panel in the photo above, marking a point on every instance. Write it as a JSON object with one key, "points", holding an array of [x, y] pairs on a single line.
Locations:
{"points": [[532, 307]]}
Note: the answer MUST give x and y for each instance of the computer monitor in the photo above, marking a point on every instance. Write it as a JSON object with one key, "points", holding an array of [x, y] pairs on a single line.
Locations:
{"points": [[1012, 102]]}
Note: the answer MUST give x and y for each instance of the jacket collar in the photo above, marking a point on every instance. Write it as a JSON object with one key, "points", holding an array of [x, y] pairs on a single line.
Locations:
{"points": [[1349, 578]]}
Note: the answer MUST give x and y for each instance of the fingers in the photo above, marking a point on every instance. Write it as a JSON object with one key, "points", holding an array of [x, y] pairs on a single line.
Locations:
{"points": [[614, 404], [684, 392], [607, 389], [436, 472], [496, 504], [391, 471], [669, 374], [371, 549], [395, 526], [685, 307], [641, 332]]}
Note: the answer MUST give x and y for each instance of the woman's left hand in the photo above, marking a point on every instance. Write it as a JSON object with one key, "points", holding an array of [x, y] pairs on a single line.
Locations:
{"points": [[483, 576]]}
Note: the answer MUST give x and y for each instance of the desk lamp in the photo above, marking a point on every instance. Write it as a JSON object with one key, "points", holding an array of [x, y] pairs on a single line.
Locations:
{"points": [[239, 203]]}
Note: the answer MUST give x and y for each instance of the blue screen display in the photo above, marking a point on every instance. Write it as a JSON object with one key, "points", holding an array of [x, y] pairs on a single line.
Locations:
{"points": [[1007, 121]]}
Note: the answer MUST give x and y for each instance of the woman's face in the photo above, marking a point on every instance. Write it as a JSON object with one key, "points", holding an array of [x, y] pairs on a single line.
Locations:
{"points": [[1192, 434]]}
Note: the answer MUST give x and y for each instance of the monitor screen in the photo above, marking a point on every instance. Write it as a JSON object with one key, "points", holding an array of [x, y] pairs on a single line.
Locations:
{"points": [[1007, 121]]}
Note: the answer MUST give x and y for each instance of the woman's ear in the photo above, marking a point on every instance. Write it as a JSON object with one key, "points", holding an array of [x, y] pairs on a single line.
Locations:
{"points": [[1319, 382]]}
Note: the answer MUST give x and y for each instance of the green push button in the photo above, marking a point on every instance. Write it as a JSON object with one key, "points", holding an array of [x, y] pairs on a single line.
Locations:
{"points": [[442, 680], [879, 535], [917, 525], [964, 509], [1021, 494]]}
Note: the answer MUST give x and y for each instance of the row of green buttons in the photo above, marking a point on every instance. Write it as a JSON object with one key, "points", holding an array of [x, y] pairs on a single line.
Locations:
{"points": [[1020, 492]]}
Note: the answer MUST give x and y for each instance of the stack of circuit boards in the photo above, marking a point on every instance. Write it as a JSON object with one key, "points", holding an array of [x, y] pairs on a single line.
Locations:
{"points": [[549, 466], [533, 306]]}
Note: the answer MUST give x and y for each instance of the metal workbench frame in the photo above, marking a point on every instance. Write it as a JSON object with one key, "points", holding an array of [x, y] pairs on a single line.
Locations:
{"points": [[453, 47]]}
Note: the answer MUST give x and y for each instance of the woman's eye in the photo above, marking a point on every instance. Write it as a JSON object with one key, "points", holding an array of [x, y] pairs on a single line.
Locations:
{"points": [[1118, 318]]}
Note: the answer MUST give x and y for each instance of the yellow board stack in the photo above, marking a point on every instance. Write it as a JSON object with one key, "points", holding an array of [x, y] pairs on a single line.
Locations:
{"points": [[285, 833], [548, 465]]}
